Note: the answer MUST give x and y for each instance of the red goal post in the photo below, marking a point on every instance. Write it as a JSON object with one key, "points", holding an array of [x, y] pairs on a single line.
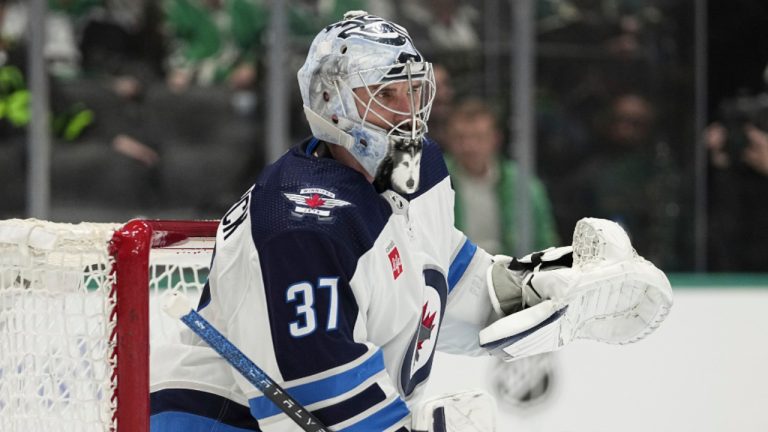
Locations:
{"points": [[77, 317]]}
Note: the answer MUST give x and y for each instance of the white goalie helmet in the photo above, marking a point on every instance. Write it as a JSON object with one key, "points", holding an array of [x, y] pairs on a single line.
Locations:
{"points": [[384, 135]]}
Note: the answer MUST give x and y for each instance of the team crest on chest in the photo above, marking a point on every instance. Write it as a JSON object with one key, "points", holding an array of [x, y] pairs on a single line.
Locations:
{"points": [[394, 260], [315, 201], [417, 362], [426, 329]]}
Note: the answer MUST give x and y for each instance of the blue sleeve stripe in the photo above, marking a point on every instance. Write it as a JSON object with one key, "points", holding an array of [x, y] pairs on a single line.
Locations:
{"points": [[382, 419], [460, 263], [322, 389], [345, 410], [202, 404], [174, 421]]}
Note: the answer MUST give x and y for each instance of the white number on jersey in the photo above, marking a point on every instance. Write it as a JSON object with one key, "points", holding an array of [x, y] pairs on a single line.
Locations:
{"points": [[304, 294]]}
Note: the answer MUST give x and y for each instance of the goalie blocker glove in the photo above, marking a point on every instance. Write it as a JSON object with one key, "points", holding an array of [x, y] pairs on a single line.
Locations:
{"points": [[598, 289]]}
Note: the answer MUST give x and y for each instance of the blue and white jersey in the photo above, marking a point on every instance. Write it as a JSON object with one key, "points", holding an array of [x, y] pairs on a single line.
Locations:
{"points": [[337, 292]]}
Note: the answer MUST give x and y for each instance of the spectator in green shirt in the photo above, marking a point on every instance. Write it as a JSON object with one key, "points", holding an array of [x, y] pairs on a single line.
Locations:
{"points": [[484, 181]]}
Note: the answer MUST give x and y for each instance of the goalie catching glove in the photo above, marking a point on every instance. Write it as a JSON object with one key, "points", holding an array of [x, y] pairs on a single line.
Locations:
{"points": [[598, 289]]}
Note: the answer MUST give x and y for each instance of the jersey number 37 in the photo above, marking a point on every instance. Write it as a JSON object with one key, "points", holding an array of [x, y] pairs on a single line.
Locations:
{"points": [[303, 294]]}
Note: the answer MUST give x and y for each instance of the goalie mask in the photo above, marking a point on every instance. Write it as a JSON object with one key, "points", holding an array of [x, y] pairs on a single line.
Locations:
{"points": [[365, 87]]}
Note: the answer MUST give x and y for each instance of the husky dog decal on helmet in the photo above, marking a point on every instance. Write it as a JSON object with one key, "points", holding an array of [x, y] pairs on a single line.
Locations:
{"points": [[351, 69]]}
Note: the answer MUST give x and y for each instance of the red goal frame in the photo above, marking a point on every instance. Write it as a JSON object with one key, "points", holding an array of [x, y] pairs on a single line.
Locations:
{"points": [[130, 248]]}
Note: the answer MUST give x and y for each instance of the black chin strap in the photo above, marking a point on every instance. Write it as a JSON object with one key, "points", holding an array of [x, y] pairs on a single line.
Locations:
{"points": [[317, 148]]}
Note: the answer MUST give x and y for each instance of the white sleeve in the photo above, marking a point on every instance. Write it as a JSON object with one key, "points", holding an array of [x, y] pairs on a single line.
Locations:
{"points": [[469, 307]]}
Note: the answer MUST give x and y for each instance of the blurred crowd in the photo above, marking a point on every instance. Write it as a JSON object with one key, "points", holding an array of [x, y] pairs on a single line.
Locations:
{"points": [[158, 109]]}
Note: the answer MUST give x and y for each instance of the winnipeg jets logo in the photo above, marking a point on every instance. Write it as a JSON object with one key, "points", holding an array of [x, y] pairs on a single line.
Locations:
{"points": [[417, 363], [425, 329], [315, 201], [374, 29]]}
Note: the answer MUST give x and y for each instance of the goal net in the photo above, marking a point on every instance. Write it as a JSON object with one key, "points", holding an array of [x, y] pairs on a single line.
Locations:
{"points": [[78, 316]]}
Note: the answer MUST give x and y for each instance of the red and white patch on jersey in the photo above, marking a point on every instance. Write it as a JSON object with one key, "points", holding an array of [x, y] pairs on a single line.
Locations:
{"points": [[394, 260]]}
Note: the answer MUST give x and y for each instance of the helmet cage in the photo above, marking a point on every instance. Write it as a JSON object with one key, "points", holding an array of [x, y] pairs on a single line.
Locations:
{"points": [[358, 114], [421, 94], [349, 67]]}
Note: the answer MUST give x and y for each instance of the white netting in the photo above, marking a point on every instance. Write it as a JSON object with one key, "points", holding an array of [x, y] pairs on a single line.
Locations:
{"points": [[54, 326], [590, 247], [181, 268], [56, 304]]}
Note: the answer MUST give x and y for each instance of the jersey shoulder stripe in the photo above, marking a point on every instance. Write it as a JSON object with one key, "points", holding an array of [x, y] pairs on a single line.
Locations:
{"points": [[460, 263]]}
